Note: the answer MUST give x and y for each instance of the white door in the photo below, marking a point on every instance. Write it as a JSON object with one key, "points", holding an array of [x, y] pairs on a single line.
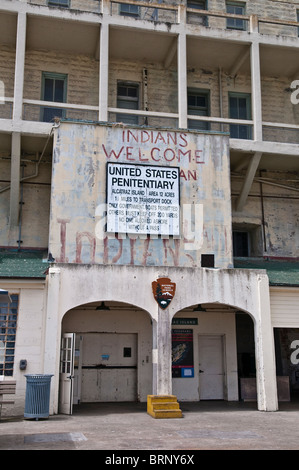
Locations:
{"points": [[211, 367], [66, 375]]}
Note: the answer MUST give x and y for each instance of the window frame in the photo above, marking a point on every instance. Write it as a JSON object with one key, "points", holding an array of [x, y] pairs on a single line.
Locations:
{"points": [[194, 124], [241, 127], [59, 3], [127, 118], [133, 10], [8, 322], [47, 110], [198, 5], [234, 23]]}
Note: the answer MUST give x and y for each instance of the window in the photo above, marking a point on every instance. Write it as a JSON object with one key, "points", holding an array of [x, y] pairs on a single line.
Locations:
{"points": [[129, 10], [198, 105], [127, 98], [235, 8], [8, 327], [241, 244], [240, 108], [59, 3], [198, 5], [53, 89], [247, 240]]}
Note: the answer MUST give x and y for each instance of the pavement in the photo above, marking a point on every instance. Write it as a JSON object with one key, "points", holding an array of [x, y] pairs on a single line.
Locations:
{"points": [[119, 429]]}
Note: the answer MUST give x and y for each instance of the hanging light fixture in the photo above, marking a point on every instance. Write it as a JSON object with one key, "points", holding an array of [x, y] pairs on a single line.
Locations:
{"points": [[103, 306], [199, 308]]}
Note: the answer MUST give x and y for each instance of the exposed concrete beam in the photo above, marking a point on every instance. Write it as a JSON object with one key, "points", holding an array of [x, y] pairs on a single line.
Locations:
{"points": [[239, 62], [170, 54], [15, 178], [251, 170]]}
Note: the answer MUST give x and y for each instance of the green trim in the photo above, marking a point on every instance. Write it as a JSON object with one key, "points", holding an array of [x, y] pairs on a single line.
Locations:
{"points": [[23, 264], [280, 272]]}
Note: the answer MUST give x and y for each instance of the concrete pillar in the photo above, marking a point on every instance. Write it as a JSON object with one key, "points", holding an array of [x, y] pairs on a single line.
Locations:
{"points": [[256, 91], [19, 67], [53, 336], [103, 72], [15, 179], [155, 357], [182, 70], [264, 349], [163, 353]]}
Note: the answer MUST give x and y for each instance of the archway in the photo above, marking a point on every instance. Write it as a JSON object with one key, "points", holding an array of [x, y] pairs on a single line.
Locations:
{"points": [[208, 352], [113, 343]]}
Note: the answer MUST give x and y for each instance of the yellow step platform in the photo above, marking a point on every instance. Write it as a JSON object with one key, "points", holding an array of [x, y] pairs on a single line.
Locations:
{"points": [[163, 406]]}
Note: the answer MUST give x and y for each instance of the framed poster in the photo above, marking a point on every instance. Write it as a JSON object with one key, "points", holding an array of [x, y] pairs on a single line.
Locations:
{"points": [[182, 353]]}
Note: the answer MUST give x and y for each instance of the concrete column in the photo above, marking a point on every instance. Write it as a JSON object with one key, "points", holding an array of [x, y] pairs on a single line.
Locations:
{"points": [[164, 377], [264, 350], [182, 70], [53, 336], [19, 67], [256, 91], [15, 179], [103, 72], [155, 357]]}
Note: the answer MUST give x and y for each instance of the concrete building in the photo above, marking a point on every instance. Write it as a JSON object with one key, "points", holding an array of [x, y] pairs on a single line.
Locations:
{"points": [[149, 149]]}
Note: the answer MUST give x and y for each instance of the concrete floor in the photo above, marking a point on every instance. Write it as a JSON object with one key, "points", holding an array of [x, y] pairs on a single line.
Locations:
{"points": [[127, 427]]}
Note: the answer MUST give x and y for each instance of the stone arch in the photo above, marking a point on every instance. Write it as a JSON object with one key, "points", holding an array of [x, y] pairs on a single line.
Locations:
{"points": [[114, 346]]}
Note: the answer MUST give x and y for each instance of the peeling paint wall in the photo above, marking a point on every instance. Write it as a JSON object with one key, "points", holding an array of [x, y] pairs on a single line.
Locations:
{"points": [[272, 211], [77, 218]]}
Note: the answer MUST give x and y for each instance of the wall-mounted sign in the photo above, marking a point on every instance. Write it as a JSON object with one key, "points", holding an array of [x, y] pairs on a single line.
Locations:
{"points": [[143, 199], [182, 353], [184, 321], [163, 290]]}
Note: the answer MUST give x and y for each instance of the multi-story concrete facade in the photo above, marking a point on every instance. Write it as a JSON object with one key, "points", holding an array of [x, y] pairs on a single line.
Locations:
{"points": [[204, 95]]}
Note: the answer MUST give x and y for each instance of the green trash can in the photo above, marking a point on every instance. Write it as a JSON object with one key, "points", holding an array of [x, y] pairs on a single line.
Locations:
{"points": [[37, 399]]}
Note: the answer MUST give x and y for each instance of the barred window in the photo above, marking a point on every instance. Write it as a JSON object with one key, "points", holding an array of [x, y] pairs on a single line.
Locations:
{"points": [[8, 327]]}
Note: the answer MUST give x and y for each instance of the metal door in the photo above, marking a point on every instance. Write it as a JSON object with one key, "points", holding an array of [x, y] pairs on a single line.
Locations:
{"points": [[66, 375]]}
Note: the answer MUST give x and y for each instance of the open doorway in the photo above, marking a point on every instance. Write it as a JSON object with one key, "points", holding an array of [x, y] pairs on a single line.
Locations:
{"points": [[204, 358], [112, 353], [287, 358]]}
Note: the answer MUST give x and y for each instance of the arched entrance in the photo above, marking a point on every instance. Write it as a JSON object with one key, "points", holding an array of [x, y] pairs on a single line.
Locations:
{"points": [[204, 353], [111, 350]]}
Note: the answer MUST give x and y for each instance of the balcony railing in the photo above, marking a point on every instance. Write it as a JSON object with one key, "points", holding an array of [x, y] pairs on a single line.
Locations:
{"points": [[169, 13], [6, 108], [46, 111], [93, 6]]}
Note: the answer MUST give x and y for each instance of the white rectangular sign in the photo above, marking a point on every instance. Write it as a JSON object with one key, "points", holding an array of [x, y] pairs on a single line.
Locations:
{"points": [[143, 199]]}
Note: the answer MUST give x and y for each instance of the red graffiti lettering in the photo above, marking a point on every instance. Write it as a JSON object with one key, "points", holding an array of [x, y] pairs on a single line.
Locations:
{"points": [[92, 242], [62, 258]]}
